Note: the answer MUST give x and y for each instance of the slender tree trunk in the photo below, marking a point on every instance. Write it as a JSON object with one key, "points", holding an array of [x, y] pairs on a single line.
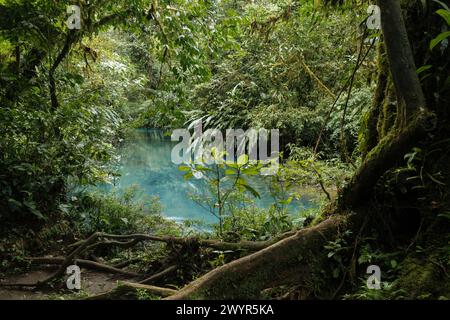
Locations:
{"points": [[401, 61]]}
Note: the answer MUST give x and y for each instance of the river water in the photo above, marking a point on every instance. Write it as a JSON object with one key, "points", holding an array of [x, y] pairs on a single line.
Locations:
{"points": [[145, 163]]}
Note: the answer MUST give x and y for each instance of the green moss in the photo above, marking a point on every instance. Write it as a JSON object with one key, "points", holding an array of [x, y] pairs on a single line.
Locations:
{"points": [[389, 110], [369, 136], [423, 279]]}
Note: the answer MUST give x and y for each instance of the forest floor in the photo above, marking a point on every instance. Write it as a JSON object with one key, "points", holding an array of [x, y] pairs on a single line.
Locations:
{"points": [[93, 283]]}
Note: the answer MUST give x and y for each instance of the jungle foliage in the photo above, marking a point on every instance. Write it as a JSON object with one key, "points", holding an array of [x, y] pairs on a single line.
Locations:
{"points": [[336, 90]]}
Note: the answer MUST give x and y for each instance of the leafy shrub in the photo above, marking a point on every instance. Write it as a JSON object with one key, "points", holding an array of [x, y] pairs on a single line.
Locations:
{"points": [[113, 213], [253, 223]]}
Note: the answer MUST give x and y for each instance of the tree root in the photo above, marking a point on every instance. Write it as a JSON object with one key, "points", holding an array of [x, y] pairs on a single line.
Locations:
{"points": [[289, 261], [84, 263], [69, 260], [133, 239], [127, 241], [127, 287], [383, 157]]}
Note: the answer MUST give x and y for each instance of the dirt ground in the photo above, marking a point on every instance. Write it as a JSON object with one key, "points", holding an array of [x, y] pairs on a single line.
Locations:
{"points": [[91, 283]]}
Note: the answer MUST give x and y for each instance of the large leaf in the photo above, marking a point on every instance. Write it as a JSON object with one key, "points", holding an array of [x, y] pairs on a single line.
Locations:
{"points": [[251, 171], [424, 68], [252, 191], [32, 208], [439, 39], [243, 183]]}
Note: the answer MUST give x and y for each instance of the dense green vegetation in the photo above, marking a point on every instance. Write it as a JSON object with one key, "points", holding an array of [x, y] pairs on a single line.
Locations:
{"points": [[374, 153]]}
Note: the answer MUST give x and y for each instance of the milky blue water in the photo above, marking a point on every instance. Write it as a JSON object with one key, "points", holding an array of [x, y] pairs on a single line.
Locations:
{"points": [[145, 162]]}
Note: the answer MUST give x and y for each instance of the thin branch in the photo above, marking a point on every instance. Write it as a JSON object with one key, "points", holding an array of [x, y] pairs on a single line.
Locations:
{"points": [[316, 78]]}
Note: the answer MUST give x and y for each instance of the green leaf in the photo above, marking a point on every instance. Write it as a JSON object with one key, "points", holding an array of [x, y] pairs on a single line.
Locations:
{"points": [[250, 171], [393, 263], [424, 68], [439, 39], [286, 201], [232, 165], [230, 172], [202, 168], [16, 204], [445, 215], [76, 78], [251, 190], [242, 160], [188, 176], [444, 14], [32, 207], [184, 168]]}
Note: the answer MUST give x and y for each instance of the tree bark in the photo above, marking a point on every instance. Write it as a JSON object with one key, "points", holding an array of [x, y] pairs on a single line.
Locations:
{"points": [[129, 287], [414, 121], [388, 153], [401, 61]]}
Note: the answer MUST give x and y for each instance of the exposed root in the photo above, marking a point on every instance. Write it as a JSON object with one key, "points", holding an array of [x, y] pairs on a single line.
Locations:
{"points": [[128, 287], [289, 261], [18, 285], [69, 260], [132, 239], [382, 158], [84, 263], [127, 241]]}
